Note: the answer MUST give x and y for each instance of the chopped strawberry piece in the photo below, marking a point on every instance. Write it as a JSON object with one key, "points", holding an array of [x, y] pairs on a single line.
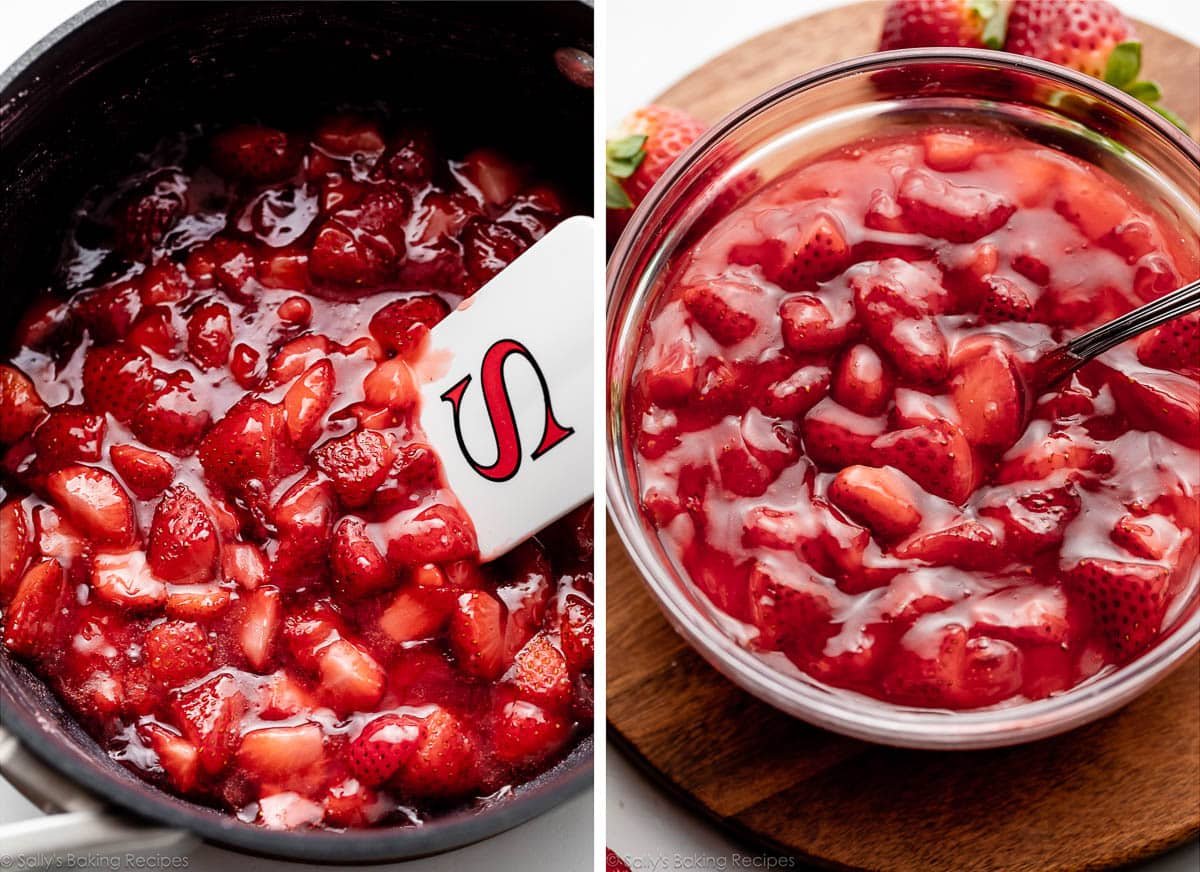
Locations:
{"points": [[17, 535], [793, 396], [792, 614], [1004, 300], [116, 379], [938, 207], [882, 499], [526, 732], [178, 651], [401, 326], [23, 408], [444, 762], [210, 716], [197, 602], [210, 335], [68, 436], [723, 308], [496, 179], [969, 545], [245, 452], [307, 401], [183, 545], [350, 678], [108, 312], [352, 804], [357, 464], [348, 135], [477, 635], [144, 472], [124, 579], [1174, 345], [390, 385], [177, 756], [1037, 459], [1165, 401], [810, 328], [282, 756], [439, 534], [384, 745], [948, 151], [32, 616], [254, 152], [260, 622], [488, 248], [539, 673], [1035, 520], [358, 566], [959, 672], [164, 281], [412, 616], [937, 456], [288, 811], [1128, 600], [989, 393], [148, 212], [172, 417], [862, 382], [1027, 613], [94, 501], [578, 632], [154, 331], [802, 251], [56, 537], [836, 437], [1150, 537]]}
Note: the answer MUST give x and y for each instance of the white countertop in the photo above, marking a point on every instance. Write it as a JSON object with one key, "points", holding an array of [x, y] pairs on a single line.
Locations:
{"points": [[651, 45]]}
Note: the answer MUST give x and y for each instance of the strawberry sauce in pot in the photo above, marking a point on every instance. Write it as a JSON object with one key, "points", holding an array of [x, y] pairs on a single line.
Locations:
{"points": [[227, 546], [834, 430]]}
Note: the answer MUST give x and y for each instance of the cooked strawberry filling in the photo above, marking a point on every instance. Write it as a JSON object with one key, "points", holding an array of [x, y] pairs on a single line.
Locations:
{"points": [[839, 431], [226, 545]]}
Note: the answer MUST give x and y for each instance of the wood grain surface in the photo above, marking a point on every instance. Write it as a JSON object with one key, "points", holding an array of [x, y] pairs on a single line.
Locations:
{"points": [[1116, 791]]}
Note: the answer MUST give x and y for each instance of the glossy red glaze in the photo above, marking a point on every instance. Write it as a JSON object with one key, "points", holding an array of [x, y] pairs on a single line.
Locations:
{"points": [[233, 554], [834, 428]]}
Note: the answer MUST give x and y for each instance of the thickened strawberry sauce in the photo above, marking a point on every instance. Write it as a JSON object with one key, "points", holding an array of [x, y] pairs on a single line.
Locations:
{"points": [[226, 546], [838, 429]]}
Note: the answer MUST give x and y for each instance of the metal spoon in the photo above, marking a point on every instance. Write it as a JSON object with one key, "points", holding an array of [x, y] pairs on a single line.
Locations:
{"points": [[1064, 360]]}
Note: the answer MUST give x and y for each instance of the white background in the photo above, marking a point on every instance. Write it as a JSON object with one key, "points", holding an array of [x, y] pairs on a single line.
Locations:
{"points": [[651, 45], [560, 840]]}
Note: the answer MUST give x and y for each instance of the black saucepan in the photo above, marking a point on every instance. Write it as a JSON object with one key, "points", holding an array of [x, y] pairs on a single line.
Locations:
{"points": [[119, 76]]}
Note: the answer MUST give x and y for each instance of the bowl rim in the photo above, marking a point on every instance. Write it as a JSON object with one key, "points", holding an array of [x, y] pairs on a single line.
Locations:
{"points": [[839, 710], [568, 778]]}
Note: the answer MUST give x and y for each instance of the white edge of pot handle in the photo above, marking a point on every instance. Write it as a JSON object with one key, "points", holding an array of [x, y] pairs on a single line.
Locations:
{"points": [[76, 821]]}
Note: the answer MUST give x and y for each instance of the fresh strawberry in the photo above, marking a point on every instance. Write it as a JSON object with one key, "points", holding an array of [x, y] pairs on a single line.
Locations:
{"points": [[68, 436], [940, 208], [645, 145], [384, 745], [1175, 345], [477, 635], [358, 567], [17, 535], [401, 326], [177, 757], [881, 499], [124, 579], [350, 678], [439, 534], [488, 248], [357, 463], [1080, 34], [254, 152], [527, 733], [989, 393], [94, 501], [810, 328], [935, 455], [210, 335], [116, 379], [183, 545], [108, 312], [178, 651], [32, 616], [444, 762], [145, 215], [802, 249], [968, 545], [862, 382], [539, 673], [145, 473], [919, 23], [23, 408], [210, 717], [1128, 600], [172, 418]]}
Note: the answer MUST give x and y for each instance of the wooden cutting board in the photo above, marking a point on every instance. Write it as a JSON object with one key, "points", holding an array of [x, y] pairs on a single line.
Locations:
{"points": [[1113, 792]]}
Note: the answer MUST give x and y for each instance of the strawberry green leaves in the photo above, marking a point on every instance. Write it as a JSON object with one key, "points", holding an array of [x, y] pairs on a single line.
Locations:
{"points": [[621, 159], [995, 19], [1122, 70]]}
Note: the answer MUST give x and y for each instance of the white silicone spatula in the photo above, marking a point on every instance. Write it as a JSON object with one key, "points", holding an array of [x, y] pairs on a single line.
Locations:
{"points": [[506, 391]]}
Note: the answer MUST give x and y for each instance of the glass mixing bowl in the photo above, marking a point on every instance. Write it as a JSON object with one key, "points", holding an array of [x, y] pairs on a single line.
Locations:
{"points": [[762, 140]]}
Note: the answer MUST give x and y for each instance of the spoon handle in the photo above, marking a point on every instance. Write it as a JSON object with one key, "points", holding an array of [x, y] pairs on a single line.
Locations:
{"points": [[1100, 339]]}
